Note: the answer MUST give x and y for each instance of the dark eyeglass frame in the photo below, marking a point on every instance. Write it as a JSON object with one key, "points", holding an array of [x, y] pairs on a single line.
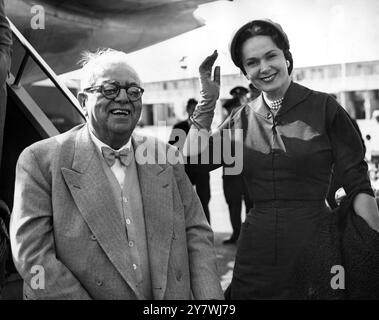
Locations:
{"points": [[100, 88]]}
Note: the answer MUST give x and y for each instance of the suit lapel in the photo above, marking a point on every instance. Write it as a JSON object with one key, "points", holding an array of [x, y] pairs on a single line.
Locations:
{"points": [[93, 196], [156, 190]]}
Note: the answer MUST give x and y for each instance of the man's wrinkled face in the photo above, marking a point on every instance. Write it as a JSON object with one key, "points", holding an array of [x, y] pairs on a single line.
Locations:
{"points": [[116, 118]]}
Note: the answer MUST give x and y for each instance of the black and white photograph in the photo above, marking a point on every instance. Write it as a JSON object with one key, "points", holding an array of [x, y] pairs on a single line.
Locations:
{"points": [[200, 152]]}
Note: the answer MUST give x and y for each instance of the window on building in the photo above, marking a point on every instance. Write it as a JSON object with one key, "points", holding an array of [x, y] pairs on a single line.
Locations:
{"points": [[299, 75], [334, 71]]}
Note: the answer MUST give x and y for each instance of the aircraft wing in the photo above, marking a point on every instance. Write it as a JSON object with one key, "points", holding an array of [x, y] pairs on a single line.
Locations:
{"points": [[72, 26]]}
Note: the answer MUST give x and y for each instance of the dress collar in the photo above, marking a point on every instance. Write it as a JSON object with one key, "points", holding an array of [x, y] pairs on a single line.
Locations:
{"points": [[295, 94]]}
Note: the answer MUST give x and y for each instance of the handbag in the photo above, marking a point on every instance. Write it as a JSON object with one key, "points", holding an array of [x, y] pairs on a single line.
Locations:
{"points": [[344, 241]]}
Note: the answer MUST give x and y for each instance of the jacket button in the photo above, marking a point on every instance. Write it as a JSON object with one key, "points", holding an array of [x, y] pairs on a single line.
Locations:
{"points": [[99, 283], [179, 275], [93, 237]]}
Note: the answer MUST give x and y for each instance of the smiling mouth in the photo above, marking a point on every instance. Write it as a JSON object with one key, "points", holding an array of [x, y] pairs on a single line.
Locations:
{"points": [[121, 112], [269, 78]]}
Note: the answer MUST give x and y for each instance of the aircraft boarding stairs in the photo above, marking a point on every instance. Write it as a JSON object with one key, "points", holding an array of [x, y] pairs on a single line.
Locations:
{"points": [[32, 113]]}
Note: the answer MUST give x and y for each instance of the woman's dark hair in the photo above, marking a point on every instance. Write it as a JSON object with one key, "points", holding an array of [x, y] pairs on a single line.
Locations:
{"points": [[260, 28]]}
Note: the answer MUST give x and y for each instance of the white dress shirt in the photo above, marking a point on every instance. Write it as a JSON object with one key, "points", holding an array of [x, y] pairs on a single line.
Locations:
{"points": [[118, 168]]}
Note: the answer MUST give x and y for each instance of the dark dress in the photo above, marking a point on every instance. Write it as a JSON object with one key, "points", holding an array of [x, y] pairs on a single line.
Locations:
{"points": [[287, 163]]}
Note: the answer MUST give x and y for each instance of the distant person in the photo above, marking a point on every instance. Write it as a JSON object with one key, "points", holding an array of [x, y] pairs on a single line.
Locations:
{"points": [[241, 93], [234, 186], [375, 115], [253, 92], [5, 59], [101, 219], [198, 179]]}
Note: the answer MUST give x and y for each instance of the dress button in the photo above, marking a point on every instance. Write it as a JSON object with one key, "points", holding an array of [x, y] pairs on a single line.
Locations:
{"points": [[99, 283], [124, 199], [93, 237], [131, 243], [127, 221], [134, 266], [179, 275]]}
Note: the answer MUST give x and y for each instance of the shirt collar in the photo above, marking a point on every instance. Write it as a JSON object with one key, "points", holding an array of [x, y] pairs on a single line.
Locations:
{"points": [[99, 144]]}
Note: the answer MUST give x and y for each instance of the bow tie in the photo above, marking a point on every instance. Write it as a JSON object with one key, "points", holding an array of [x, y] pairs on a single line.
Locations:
{"points": [[110, 156]]}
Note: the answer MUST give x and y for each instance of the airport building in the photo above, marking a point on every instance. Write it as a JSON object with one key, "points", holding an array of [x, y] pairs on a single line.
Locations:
{"points": [[356, 86]]}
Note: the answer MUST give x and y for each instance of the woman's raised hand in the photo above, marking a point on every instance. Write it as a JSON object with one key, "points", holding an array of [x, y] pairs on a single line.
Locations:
{"points": [[209, 91], [209, 88]]}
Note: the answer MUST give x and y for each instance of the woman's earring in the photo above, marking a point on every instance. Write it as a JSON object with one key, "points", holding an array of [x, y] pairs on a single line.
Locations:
{"points": [[288, 63]]}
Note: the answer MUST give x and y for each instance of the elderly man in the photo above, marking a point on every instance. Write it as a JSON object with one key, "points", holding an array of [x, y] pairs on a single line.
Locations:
{"points": [[91, 220]]}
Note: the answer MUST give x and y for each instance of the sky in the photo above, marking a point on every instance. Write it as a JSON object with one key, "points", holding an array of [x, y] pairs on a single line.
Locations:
{"points": [[319, 31]]}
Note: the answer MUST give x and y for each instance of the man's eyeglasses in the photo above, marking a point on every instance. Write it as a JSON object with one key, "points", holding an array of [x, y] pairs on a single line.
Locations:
{"points": [[112, 90]]}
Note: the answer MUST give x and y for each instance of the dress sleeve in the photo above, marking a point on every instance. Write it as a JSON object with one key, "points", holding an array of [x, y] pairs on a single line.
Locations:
{"points": [[348, 150], [221, 147]]}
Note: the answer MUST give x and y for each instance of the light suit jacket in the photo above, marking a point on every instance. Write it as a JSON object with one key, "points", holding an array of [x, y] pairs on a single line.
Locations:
{"points": [[65, 220]]}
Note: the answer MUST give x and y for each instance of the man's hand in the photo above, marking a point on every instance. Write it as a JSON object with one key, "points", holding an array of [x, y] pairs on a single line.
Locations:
{"points": [[209, 91]]}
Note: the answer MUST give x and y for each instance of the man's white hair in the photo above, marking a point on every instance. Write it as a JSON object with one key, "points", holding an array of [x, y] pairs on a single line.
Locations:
{"points": [[93, 62]]}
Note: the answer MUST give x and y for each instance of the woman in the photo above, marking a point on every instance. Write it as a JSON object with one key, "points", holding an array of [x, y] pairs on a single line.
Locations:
{"points": [[292, 137]]}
